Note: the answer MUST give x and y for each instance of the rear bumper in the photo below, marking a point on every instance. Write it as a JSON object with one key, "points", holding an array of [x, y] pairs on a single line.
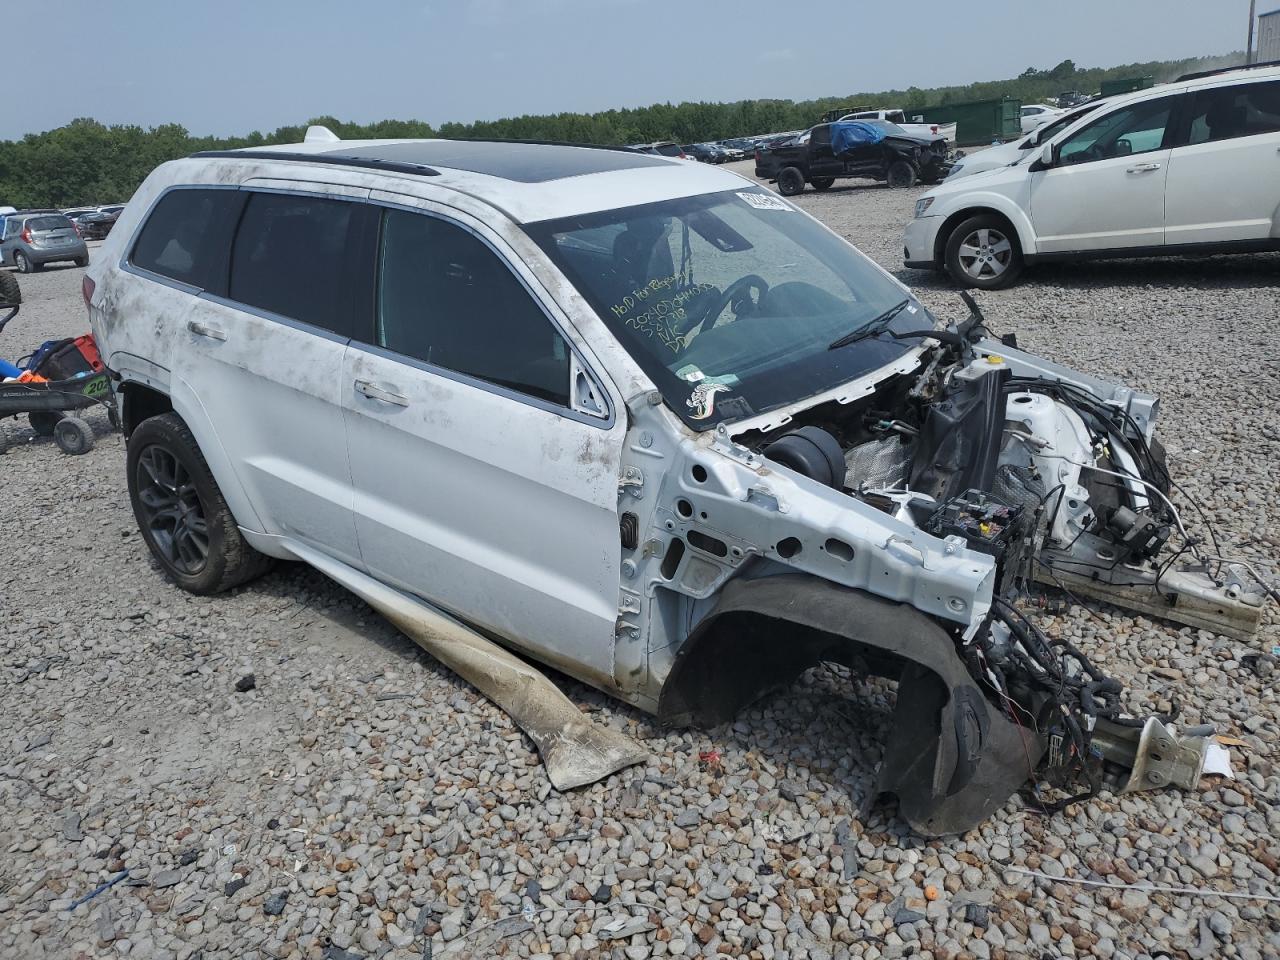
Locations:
{"points": [[919, 243], [71, 251]]}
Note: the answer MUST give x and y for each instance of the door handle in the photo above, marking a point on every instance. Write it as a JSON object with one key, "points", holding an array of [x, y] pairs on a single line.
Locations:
{"points": [[1144, 168], [374, 392], [204, 330]]}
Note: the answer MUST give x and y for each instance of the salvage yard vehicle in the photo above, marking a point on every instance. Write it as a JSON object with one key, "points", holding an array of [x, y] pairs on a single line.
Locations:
{"points": [[705, 152], [1036, 114], [646, 422], [1187, 167], [917, 128], [32, 241], [866, 149]]}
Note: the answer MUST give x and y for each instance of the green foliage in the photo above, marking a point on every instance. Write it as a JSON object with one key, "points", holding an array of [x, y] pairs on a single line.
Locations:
{"points": [[86, 162]]}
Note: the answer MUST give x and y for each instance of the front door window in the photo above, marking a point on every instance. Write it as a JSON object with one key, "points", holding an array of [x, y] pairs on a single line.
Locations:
{"points": [[1139, 128]]}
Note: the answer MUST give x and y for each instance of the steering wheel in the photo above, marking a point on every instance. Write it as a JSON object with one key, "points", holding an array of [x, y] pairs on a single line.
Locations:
{"points": [[736, 293]]}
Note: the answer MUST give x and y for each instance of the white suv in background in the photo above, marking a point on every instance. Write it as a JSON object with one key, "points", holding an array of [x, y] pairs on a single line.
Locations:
{"points": [[1188, 167]]}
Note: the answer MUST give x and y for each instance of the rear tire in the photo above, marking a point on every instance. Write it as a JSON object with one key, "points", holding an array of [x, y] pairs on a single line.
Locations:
{"points": [[44, 422], [23, 262], [822, 183], [10, 292], [984, 252], [900, 174], [73, 436], [790, 181], [181, 512]]}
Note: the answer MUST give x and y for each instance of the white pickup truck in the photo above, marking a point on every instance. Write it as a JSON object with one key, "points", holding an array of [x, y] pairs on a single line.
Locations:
{"points": [[947, 130]]}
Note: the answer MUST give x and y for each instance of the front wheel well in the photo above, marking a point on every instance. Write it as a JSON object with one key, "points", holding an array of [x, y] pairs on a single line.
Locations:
{"points": [[141, 403], [957, 218]]}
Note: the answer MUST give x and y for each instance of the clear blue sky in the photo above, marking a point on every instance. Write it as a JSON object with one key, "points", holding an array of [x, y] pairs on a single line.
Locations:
{"points": [[231, 66]]}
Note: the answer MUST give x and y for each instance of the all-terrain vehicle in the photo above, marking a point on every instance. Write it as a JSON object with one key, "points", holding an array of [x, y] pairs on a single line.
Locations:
{"points": [[59, 377]]}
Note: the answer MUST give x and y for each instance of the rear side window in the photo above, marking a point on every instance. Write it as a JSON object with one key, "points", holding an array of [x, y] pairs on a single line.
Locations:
{"points": [[185, 237], [444, 297], [1241, 110], [291, 257]]}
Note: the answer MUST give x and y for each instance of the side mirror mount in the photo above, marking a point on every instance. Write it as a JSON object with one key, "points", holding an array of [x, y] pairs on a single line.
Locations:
{"points": [[1046, 158], [586, 396]]}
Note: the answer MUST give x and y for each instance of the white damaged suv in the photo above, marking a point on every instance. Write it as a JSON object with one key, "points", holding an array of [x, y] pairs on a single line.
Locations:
{"points": [[636, 418]]}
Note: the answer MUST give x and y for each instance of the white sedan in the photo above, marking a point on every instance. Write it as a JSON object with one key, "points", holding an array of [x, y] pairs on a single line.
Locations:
{"points": [[1034, 114]]}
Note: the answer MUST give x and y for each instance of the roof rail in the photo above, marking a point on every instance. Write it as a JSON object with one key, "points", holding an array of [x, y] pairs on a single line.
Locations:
{"points": [[1214, 73], [335, 159]]}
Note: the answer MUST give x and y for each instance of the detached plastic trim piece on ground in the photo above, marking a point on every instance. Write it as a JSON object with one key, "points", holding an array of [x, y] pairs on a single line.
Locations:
{"points": [[574, 750]]}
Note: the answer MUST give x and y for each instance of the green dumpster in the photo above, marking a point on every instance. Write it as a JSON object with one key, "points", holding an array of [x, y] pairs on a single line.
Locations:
{"points": [[1126, 85], [977, 122]]}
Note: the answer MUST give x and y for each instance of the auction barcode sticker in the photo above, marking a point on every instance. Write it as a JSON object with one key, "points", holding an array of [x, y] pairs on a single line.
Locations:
{"points": [[764, 201]]}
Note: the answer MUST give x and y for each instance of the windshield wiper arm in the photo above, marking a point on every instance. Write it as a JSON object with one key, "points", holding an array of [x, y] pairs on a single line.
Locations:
{"points": [[876, 326]]}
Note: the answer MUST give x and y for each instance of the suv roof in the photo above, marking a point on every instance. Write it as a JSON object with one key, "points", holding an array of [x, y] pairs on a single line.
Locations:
{"points": [[528, 180], [517, 160], [1224, 70]]}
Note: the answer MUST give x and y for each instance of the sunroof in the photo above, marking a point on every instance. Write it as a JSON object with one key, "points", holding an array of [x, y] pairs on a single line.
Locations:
{"points": [[526, 162]]}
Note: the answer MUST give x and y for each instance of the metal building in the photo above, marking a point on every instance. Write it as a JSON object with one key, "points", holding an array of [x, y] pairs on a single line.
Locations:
{"points": [[1268, 37]]}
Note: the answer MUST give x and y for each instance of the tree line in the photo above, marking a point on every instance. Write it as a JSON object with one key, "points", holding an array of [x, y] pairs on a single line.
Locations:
{"points": [[86, 162]]}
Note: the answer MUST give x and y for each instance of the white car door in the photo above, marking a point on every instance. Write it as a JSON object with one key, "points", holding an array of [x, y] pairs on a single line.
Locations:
{"points": [[1224, 182], [478, 486], [1106, 187], [264, 359]]}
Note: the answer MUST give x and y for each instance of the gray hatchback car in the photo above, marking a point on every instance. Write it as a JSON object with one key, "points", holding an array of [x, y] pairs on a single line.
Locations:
{"points": [[30, 241]]}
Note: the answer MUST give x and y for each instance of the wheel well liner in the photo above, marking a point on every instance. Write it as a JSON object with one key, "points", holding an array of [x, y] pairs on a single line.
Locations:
{"points": [[951, 758], [141, 403]]}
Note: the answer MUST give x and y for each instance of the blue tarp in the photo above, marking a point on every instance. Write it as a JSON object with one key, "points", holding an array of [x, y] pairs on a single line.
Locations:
{"points": [[847, 134]]}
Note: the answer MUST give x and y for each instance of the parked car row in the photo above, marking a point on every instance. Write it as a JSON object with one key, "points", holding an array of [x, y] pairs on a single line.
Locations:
{"points": [[723, 151], [659, 148], [1036, 114], [95, 223], [1191, 166]]}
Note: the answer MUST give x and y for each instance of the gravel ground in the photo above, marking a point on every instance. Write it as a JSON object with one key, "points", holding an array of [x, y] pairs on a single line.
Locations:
{"points": [[362, 801]]}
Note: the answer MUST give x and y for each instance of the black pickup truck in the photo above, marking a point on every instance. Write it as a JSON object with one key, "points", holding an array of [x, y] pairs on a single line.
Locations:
{"points": [[900, 160]]}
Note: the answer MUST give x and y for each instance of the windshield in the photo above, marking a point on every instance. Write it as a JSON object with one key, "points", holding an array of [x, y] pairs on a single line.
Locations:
{"points": [[729, 300]]}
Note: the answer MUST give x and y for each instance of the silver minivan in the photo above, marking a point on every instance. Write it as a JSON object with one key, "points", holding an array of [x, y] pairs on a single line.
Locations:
{"points": [[31, 241], [641, 420]]}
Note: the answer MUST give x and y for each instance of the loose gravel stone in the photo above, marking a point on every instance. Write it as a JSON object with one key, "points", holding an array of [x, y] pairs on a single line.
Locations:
{"points": [[370, 820]]}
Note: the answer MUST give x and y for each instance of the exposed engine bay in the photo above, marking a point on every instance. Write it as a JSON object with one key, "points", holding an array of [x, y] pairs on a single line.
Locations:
{"points": [[1060, 480]]}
